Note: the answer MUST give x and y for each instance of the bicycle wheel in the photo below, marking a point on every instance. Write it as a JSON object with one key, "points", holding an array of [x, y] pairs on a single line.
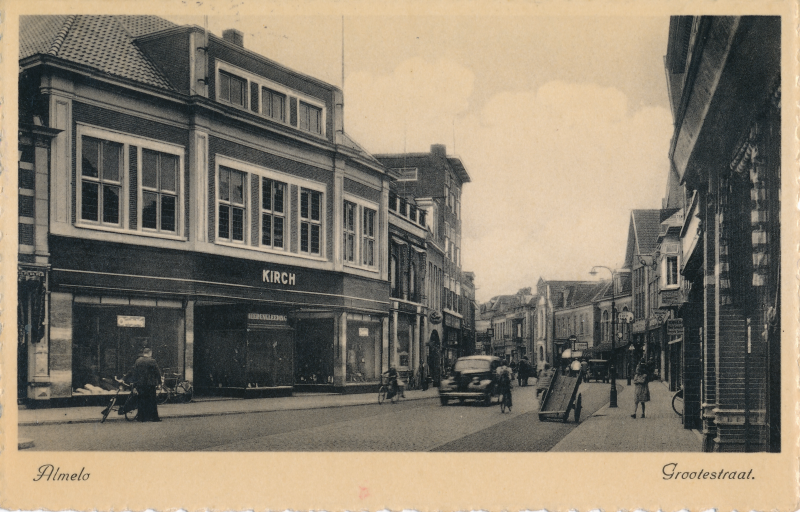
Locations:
{"points": [[107, 410], [677, 402], [131, 415], [185, 391], [163, 395], [381, 394]]}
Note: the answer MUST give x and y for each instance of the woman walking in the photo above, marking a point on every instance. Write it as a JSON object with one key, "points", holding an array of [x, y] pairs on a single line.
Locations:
{"points": [[642, 391]]}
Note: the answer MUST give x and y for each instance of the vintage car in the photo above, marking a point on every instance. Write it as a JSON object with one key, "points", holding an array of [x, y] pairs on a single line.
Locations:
{"points": [[473, 378]]}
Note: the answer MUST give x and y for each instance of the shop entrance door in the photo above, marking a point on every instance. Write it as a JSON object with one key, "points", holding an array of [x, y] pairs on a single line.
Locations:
{"points": [[270, 357]]}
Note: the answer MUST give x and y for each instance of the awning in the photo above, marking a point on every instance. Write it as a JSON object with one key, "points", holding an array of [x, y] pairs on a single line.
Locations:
{"points": [[603, 347]]}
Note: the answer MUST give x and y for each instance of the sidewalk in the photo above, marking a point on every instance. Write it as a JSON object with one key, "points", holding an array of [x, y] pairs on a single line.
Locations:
{"points": [[613, 430], [216, 407]]}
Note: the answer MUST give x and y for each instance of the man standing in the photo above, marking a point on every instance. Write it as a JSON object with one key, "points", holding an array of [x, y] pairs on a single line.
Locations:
{"points": [[146, 377]]}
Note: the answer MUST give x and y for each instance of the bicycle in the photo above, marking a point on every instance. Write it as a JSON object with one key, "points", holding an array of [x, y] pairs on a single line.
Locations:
{"points": [[505, 401], [385, 392], [173, 387], [130, 414], [677, 402]]}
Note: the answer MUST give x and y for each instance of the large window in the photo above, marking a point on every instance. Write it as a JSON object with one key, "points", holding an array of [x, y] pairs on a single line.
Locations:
{"points": [[232, 89], [101, 181], [310, 118], [349, 247], [128, 183], [231, 219], [273, 104], [159, 191], [671, 271], [310, 221], [273, 213]]}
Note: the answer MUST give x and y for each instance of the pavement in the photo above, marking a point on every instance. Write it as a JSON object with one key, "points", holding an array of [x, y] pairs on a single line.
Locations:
{"points": [[216, 407], [613, 429]]}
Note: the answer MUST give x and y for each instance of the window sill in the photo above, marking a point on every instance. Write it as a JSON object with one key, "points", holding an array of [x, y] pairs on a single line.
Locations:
{"points": [[121, 231], [358, 267]]}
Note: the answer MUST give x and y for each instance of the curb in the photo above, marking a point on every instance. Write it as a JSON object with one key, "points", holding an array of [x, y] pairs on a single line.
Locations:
{"points": [[210, 413], [24, 444]]}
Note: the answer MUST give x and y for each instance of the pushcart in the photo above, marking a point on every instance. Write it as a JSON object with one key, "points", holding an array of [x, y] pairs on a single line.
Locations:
{"points": [[561, 397]]}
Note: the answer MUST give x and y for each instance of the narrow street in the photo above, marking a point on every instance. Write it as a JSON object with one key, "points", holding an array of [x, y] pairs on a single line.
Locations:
{"points": [[421, 425]]}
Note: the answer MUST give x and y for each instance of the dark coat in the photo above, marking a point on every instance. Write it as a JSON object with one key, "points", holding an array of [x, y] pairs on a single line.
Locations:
{"points": [[146, 372]]}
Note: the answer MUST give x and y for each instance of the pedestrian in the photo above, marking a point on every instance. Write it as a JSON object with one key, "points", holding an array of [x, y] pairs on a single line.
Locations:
{"points": [[522, 372], [585, 369], [145, 377], [641, 392]]}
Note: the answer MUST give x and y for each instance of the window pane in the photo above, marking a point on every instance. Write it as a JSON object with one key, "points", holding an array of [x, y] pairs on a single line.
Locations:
{"points": [[224, 87], [169, 168], [314, 239], [266, 194], [315, 199], [111, 204], [112, 160], [304, 204], [90, 150], [89, 201], [238, 224], [266, 229], [224, 184], [303, 114], [314, 120], [277, 232], [150, 210], [237, 91], [224, 221], [369, 222], [279, 106], [237, 187], [168, 212], [277, 203], [304, 237], [149, 169]]}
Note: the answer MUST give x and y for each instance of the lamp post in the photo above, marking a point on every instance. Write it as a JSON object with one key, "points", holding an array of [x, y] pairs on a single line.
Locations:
{"points": [[612, 394]]}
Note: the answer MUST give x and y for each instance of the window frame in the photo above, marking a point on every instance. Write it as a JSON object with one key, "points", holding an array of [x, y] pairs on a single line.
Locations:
{"points": [[360, 238], [245, 104], [265, 83], [140, 143], [310, 106], [665, 272], [289, 199], [143, 189], [284, 215], [310, 221]]}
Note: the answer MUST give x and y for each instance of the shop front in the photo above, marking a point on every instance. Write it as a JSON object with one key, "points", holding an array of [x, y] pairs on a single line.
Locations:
{"points": [[231, 326], [452, 337]]}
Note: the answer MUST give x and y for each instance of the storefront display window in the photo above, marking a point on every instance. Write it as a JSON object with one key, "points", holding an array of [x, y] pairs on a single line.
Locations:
{"points": [[363, 348]]}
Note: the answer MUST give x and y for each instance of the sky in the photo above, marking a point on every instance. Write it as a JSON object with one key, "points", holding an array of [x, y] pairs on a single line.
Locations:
{"points": [[562, 123]]}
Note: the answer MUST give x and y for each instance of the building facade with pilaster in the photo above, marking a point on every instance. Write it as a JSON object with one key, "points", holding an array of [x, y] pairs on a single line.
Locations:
{"points": [[198, 201]]}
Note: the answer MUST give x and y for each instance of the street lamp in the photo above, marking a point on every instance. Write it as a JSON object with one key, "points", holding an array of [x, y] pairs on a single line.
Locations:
{"points": [[612, 394]]}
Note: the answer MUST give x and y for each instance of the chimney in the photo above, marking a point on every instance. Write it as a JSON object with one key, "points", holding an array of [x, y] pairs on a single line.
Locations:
{"points": [[233, 36], [439, 150]]}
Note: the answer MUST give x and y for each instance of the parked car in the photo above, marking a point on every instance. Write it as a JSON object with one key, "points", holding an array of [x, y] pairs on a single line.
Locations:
{"points": [[473, 378], [598, 370]]}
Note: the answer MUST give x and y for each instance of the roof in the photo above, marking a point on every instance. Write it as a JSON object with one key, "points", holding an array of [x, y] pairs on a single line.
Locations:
{"points": [[646, 224], [423, 161], [105, 43]]}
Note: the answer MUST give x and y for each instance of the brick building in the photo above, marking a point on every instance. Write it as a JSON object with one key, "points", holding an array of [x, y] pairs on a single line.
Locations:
{"points": [[723, 76]]}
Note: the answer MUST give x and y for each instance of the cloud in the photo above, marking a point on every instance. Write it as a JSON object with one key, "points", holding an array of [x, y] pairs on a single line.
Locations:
{"points": [[555, 170]]}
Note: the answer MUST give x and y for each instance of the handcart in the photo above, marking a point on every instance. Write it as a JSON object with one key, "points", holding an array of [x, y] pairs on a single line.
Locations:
{"points": [[560, 398]]}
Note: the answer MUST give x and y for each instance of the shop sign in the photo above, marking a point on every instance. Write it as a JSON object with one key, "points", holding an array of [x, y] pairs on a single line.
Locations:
{"points": [[639, 326], [581, 345], [130, 321], [256, 319], [675, 327], [275, 277], [363, 331], [435, 317], [625, 316]]}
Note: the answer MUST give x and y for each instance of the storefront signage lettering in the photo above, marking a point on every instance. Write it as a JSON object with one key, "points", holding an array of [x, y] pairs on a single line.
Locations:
{"points": [[266, 318], [675, 327], [275, 277], [452, 321], [363, 331], [130, 321]]}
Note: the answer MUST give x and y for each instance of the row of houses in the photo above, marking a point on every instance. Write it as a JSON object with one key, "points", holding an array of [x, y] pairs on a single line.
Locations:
{"points": [[699, 292], [180, 192]]}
